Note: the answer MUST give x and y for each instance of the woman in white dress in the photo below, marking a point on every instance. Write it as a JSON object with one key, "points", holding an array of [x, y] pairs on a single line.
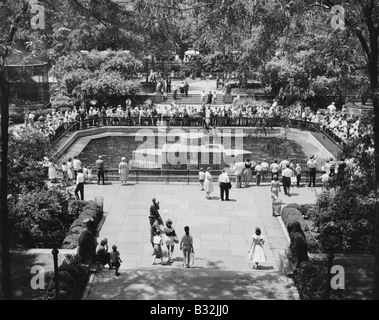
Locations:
{"points": [[208, 186], [256, 252], [123, 171], [52, 171]]}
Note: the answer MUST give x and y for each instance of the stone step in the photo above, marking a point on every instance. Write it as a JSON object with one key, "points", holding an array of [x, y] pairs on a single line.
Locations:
{"points": [[327, 143], [189, 284]]}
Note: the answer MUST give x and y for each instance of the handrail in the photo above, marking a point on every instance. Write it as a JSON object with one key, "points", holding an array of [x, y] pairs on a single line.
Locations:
{"points": [[172, 175]]}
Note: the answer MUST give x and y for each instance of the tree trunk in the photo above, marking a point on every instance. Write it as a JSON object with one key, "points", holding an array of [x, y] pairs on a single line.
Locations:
{"points": [[4, 236], [374, 82]]}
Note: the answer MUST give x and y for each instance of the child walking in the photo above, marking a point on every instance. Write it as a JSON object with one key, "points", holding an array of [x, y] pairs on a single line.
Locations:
{"points": [[158, 242], [201, 178], [115, 259], [85, 173], [65, 174], [256, 252], [275, 188], [298, 175], [89, 175]]}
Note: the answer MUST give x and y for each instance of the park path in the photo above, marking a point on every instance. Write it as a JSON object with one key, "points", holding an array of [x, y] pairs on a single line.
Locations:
{"points": [[222, 236]]}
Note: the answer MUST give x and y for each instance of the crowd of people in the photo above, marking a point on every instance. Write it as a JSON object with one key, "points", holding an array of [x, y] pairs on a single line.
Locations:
{"points": [[341, 124], [161, 234], [207, 113], [48, 125]]}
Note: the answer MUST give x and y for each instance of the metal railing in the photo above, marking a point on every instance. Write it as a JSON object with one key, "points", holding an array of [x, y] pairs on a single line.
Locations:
{"points": [[260, 125], [138, 176]]}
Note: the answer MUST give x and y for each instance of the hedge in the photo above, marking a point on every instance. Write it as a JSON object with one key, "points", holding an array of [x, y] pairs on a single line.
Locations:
{"points": [[290, 214], [89, 209], [72, 277], [311, 281]]}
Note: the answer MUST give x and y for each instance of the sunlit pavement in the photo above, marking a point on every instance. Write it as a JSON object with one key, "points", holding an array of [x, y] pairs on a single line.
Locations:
{"points": [[222, 233]]}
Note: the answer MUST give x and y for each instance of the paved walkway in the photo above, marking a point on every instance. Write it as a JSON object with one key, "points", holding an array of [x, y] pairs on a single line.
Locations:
{"points": [[222, 236]]}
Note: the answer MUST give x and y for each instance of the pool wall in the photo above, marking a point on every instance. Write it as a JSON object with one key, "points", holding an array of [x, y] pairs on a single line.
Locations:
{"points": [[79, 139]]}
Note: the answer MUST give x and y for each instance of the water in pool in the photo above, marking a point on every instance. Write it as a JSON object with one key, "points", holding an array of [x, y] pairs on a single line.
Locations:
{"points": [[114, 148]]}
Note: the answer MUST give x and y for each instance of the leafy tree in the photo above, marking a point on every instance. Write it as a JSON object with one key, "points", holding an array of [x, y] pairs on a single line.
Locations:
{"points": [[26, 151], [97, 74]]}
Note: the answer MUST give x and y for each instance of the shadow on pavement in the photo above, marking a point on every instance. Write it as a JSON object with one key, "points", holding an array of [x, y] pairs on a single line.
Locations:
{"points": [[189, 284]]}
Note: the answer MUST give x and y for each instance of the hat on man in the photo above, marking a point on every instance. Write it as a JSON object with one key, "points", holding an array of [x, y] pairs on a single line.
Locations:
{"points": [[123, 158], [169, 221], [100, 157], [86, 221]]}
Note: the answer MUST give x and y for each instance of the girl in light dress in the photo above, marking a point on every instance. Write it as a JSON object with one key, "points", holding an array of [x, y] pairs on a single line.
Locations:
{"points": [[256, 252], [70, 167], [123, 171], [201, 178], [52, 171], [208, 186], [158, 242], [275, 188]]}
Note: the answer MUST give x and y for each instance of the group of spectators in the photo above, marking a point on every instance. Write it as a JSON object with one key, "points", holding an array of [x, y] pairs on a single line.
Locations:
{"points": [[340, 123], [48, 125]]}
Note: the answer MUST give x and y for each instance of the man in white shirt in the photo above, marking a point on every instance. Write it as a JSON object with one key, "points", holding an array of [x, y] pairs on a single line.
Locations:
{"points": [[332, 108], [258, 170], [283, 164], [265, 167], [77, 164], [79, 185], [312, 169], [286, 180], [224, 183]]}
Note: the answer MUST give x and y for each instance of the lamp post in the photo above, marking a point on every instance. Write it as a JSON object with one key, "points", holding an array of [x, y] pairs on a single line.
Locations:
{"points": [[331, 238], [55, 253]]}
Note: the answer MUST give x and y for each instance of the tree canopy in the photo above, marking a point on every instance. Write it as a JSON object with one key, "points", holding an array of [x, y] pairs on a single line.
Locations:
{"points": [[97, 74]]}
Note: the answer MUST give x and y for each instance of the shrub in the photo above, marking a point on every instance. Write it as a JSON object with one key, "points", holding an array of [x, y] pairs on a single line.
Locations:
{"points": [[306, 209], [77, 206], [90, 210], [76, 223], [355, 215], [16, 118], [35, 216], [71, 241], [71, 279], [291, 214], [310, 280], [76, 229]]}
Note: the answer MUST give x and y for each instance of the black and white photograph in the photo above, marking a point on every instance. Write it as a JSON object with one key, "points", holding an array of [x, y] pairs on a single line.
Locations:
{"points": [[191, 155]]}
